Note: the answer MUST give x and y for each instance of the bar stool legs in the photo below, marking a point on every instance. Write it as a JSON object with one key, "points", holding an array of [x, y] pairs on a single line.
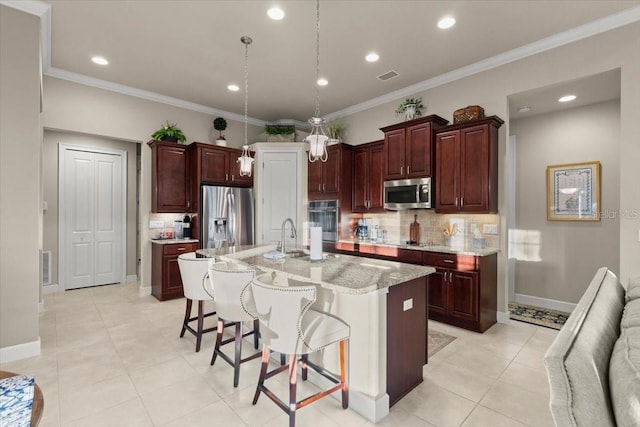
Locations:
{"points": [[200, 318], [237, 340]]}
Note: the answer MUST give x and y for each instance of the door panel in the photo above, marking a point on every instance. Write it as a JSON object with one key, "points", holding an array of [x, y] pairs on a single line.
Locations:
{"points": [[474, 170], [464, 295], [394, 148], [437, 291], [376, 179], [419, 151], [280, 189], [108, 229], [447, 172], [360, 181]]}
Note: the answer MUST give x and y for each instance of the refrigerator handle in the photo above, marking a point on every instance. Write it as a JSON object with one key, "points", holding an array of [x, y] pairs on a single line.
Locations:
{"points": [[231, 220]]}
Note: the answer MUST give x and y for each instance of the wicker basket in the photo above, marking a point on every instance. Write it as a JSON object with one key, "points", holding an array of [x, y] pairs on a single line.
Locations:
{"points": [[472, 112]]}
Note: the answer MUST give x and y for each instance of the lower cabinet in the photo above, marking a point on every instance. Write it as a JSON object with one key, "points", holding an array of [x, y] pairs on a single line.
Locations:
{"points": [[463, 290], [166, 282], [406, 337]]}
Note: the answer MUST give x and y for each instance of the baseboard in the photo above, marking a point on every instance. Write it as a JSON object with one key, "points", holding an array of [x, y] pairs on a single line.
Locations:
{"points": [[502, 317], [143, 291], [50, 289], [20, 351], [131, 278], [550, 304]]}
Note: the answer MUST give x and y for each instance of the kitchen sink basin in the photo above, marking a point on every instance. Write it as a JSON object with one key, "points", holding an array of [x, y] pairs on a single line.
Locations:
{"points": [[297, 254]]}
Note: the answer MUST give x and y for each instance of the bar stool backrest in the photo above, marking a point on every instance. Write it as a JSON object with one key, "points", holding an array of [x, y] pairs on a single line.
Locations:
{"points": [[230, 284], [193, 272]]}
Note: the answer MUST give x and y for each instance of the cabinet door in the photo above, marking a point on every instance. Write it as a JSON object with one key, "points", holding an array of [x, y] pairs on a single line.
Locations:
{"points": [[315, 178], [394, 149], [418, 151], [331, 171], [463, 295], [360, 180], [376, 179], [214, 166], [172, 281], [447, 185], [474, 169], [437, 290], [171, 181]]}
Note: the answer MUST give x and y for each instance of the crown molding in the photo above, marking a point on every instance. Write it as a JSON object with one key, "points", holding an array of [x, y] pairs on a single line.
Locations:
{"points": [[33, 7], [593, 28]]}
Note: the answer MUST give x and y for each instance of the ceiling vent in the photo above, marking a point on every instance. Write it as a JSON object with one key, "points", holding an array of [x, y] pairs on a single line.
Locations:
{"points": [[388, 75]]}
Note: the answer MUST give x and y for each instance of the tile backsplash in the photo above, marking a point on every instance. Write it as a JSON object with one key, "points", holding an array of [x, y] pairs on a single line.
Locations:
{"points": [[167, 220], [432, 226]]}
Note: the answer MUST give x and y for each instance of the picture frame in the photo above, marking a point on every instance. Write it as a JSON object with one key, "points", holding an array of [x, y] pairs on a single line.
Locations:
{"points": [[573, 192]]}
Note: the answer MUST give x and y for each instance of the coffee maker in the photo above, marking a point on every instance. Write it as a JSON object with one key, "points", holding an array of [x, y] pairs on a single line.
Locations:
{"points": [[362, 231]]}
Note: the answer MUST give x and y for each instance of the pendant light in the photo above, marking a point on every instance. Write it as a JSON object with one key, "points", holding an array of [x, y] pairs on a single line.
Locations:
{"points": [[317, 139], [245, 159]]}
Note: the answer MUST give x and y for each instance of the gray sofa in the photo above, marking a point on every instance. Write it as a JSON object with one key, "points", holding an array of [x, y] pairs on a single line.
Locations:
{"points": [[593, 365]]}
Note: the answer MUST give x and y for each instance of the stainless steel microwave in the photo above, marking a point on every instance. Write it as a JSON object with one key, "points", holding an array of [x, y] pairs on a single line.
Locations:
{"points": [[407, 194]]}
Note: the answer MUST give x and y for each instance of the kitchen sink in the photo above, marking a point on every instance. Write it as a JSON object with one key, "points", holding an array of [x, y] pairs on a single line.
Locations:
{"points": [[297, 254]]}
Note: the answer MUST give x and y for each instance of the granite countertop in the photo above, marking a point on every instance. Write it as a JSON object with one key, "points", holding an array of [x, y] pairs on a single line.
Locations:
{"points": [[464, 250], [173, 241], [341, 273]]}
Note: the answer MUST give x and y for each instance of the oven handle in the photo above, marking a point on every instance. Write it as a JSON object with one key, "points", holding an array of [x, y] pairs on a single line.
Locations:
{"points": [[323, 210]]}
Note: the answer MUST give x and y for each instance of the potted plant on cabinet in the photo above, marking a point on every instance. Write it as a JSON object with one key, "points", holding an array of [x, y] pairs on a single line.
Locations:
{"points": [[220, 124], [410, 108], [334, 131], [280, 133], [169, 132]]}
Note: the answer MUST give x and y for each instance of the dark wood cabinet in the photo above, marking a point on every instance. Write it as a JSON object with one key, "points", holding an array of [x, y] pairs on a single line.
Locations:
{"points": [[408, 147], [331, 180], [466, 176], [463, 290], [170, 181], [166, 282], [368, 177], [406, 337]]}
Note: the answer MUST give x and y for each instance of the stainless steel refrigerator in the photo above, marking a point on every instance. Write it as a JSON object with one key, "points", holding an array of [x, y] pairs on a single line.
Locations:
{"points": [[227, 216]]}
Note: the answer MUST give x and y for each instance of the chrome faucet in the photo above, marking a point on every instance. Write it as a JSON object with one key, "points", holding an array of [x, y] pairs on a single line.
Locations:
{"points": [[294, 234]]}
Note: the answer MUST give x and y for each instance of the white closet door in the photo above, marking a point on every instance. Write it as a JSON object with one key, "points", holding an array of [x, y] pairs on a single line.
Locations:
{"points": [[91, 219], [280, 187]]}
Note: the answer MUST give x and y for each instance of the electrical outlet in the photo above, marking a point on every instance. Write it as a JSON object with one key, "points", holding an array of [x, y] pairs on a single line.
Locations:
{"points": [[407, 304], [156, 224], [490, 228]]}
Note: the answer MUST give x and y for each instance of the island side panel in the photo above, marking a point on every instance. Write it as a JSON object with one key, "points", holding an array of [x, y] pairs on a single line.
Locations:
{"points": [[406, 337]]}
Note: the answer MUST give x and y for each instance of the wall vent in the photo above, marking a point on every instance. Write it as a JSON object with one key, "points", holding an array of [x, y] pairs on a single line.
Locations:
{"points": [[46, 267], [388, 75]]}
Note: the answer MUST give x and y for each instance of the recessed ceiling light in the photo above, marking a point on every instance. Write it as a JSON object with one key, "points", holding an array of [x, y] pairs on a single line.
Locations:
{"points": [[372, 57], [99, 60], [322, 82], [446, 22], [275, 13], [567, 98], [524, 109], [233, 88]]}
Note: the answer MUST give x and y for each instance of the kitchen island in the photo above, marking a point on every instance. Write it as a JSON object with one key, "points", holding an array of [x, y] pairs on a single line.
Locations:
{"points": [[385, 304]]}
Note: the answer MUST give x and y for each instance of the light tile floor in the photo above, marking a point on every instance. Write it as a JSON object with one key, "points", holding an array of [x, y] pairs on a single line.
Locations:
{"points": [[113, 358]]}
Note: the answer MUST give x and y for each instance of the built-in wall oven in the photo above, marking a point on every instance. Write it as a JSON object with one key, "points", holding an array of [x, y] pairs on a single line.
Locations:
{"points": [[325, 213]]}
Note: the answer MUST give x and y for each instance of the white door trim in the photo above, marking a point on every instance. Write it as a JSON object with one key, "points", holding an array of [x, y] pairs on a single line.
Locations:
{"points": [[62, 148]]}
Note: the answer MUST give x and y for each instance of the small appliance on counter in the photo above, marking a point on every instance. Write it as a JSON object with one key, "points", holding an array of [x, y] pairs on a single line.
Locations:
{"points": [[362, 231]]}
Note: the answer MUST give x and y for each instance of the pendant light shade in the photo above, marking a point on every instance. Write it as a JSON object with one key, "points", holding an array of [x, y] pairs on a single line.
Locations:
{"points": [[317, 139], [245, 159]]}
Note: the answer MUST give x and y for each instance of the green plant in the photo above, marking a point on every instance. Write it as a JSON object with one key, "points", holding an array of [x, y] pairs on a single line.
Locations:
{"points": [[220, 124], [169, 132], [279, 129], [410, 101], [335, 128]]}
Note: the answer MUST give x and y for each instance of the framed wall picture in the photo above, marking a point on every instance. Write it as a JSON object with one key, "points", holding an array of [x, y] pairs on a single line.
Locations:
{"points": [[573, 192]]}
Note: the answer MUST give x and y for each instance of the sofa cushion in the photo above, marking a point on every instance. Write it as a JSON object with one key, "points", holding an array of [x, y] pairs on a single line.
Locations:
{"points": [[633, 289], [577, 362], [631, 314], [624, 377]]}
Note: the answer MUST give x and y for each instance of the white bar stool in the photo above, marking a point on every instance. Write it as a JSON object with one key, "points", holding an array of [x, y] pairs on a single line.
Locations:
{"points": [[289, 327]]}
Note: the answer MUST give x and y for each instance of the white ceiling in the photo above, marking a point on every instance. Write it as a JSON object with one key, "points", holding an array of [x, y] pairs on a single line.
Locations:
{"points": [[191, 50]]}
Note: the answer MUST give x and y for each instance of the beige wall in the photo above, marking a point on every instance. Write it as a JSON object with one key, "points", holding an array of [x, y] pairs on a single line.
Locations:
{"points": [[20, 155], [52, 140], [549, 253], [490, 89]]}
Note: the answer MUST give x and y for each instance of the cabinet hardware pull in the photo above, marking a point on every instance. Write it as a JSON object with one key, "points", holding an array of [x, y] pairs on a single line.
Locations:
{"points": [[461, 202], [408, 170], [401, 170], [226, 177], [182, 249], [456, 202], [449, 261], [323, 187]]}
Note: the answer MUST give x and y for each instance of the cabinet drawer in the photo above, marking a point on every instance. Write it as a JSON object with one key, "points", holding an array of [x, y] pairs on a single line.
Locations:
{"points": [[410, 256], [453, 261], [177, 249]]}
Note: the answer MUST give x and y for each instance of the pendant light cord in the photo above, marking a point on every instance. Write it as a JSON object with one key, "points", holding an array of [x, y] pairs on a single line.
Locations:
{"points": [[247, 41], [317, 58]]}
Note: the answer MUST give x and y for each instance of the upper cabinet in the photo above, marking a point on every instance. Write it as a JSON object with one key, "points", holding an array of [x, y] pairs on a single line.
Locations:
{"points": [[332, 179], [368, 177], [170, 190], [466, 178], [408, 147]]}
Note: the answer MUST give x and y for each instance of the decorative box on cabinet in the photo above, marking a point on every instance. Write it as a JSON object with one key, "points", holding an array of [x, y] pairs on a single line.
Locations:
{"points": [[463, 290], [408, 147], [166, 282], [368, 177], [170, 190], [331, 180], [466, 178]]}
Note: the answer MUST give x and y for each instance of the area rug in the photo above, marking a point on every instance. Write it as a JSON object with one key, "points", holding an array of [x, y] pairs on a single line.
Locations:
{"points": [[436, 341], [538, 316]]}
